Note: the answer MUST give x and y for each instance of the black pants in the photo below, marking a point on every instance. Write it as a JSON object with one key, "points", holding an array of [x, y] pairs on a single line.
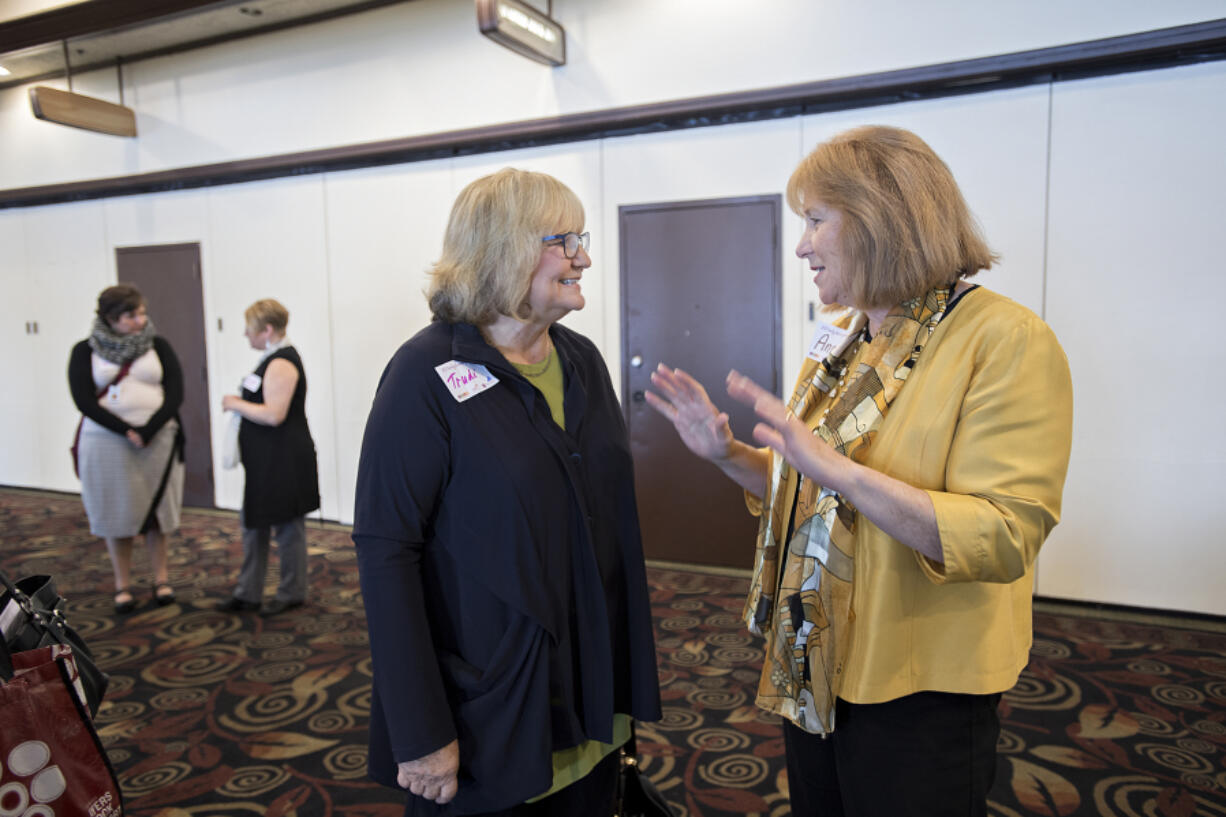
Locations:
{"points": [[591, 796], [931, 753]]}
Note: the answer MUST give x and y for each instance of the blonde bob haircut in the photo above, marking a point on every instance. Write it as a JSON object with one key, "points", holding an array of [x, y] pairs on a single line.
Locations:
{"points": [[492, 245], [906, 227], [267, 312]]}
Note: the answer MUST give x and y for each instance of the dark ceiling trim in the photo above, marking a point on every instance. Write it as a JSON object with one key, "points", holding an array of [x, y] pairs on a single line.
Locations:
{"points": [[80, 19], [1184, 45]]}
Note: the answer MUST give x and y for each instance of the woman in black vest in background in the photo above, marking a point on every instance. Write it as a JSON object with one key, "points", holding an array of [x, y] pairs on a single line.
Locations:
{"points": [[278, 454]]}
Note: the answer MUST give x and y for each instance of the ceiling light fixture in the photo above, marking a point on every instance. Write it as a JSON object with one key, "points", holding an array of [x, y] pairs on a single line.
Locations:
{"points": [[523, 29], [4, 72], [80, 111]]}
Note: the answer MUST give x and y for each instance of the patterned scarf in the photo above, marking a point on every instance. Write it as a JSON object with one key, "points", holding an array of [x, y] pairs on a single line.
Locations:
{"points": [[117, 348], [804, 610]]}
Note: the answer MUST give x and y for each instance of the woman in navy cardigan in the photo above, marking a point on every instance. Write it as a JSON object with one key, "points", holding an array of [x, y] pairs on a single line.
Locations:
{"points": [[497, 532]]}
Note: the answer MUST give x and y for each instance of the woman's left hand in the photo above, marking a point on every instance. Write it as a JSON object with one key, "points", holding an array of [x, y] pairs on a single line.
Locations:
{"points": [[434, 775], [782, 431], [230, 401], [901, 510]]}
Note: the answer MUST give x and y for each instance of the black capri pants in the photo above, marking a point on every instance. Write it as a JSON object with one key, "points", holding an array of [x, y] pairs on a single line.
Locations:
{"points": [[927, 754]]}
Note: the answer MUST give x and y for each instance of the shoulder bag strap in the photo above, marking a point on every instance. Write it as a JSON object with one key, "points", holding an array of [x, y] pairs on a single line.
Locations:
{"points": [[123, 372]]}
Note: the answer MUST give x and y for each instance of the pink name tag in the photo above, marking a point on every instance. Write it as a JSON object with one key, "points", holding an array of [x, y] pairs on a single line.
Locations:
{"points": [[465, 380]]}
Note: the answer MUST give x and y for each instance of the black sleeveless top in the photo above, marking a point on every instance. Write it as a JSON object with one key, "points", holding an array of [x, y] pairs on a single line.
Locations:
{"points": [[282, 478]]}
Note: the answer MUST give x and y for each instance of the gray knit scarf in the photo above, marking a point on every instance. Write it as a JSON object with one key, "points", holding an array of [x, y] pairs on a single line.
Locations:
{"points": [[117, 348]]}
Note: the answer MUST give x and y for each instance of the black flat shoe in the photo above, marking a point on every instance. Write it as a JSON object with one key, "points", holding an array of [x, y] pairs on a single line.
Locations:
{"points": [[276, 606], [163, 594], [123, 608], [235, 605]]}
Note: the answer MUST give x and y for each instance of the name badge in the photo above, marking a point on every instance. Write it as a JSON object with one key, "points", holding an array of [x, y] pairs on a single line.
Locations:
{"points": [[828, 340], [465, 380], [252, 382]]}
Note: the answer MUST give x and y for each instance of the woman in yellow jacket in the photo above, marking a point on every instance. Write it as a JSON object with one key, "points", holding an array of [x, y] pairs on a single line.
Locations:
{"points": [[904, 489]]}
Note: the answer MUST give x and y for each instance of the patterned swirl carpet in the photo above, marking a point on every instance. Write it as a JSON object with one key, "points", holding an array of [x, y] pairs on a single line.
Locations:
{"points": [[214, 715]]}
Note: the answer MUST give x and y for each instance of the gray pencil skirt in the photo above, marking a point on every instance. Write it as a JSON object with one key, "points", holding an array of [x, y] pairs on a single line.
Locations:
{"points": [[119, 480]]}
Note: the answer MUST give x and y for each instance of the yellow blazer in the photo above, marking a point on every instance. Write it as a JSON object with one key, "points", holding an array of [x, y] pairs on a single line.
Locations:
{"points": [[984, 425]]}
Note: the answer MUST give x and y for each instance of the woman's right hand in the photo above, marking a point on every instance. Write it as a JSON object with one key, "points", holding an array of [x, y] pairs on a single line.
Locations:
{"points": [[434, 775], [702, 427]]}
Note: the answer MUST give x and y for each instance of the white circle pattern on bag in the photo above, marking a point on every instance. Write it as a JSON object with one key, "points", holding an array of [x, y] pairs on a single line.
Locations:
{"points": [[29, 760]]}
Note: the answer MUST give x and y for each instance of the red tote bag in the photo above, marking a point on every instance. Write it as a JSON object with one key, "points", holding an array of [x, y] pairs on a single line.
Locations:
{"points": [[51, 761]]}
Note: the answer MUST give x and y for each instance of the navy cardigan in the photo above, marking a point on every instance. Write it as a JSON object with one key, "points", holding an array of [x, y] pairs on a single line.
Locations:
{"points": [[501, 567]]}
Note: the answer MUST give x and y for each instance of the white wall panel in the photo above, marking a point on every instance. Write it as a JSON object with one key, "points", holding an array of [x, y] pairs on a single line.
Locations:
{"points": [[385, 228], [20, 454], [268, 240], [55, 259], [1136, 283], [164, 218], [67, 250]]}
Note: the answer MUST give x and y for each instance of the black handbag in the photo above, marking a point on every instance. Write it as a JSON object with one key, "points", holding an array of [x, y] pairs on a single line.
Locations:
{"points": [[32, 616], [637, 796]]}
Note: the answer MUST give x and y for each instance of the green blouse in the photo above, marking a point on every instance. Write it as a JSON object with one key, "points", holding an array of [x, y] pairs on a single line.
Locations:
{"points": [[575, 762]]}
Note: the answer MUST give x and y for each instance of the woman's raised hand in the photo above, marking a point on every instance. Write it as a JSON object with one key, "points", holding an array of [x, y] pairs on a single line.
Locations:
{"points": [[782, 431], [702, 427]]}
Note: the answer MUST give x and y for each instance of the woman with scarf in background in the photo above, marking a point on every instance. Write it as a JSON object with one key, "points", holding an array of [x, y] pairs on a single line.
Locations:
{"points": [[126, 381]]}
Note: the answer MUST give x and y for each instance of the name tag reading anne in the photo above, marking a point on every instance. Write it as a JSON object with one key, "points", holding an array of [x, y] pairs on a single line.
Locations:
{"points": [[465, 380], [828, 340], [252, 382]]}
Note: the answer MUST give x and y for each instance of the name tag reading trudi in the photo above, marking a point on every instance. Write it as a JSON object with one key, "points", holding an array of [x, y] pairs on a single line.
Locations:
{"points": [[827, 340], [252, 382], [465, 380]]}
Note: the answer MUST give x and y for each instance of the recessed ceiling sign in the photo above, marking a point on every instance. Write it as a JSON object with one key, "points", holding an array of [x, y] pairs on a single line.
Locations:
{"points": [[523, 29]]}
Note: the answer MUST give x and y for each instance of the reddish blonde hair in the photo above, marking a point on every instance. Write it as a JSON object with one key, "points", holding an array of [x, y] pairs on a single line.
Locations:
{"points": [[906, 227]]}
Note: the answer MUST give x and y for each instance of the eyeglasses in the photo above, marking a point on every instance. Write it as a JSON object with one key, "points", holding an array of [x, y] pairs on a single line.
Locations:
{"points": [[571, 242]]}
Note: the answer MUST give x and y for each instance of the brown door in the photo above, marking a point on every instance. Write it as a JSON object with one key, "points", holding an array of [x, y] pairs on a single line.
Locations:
{"points": [[701, 292], [168, 275]]}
